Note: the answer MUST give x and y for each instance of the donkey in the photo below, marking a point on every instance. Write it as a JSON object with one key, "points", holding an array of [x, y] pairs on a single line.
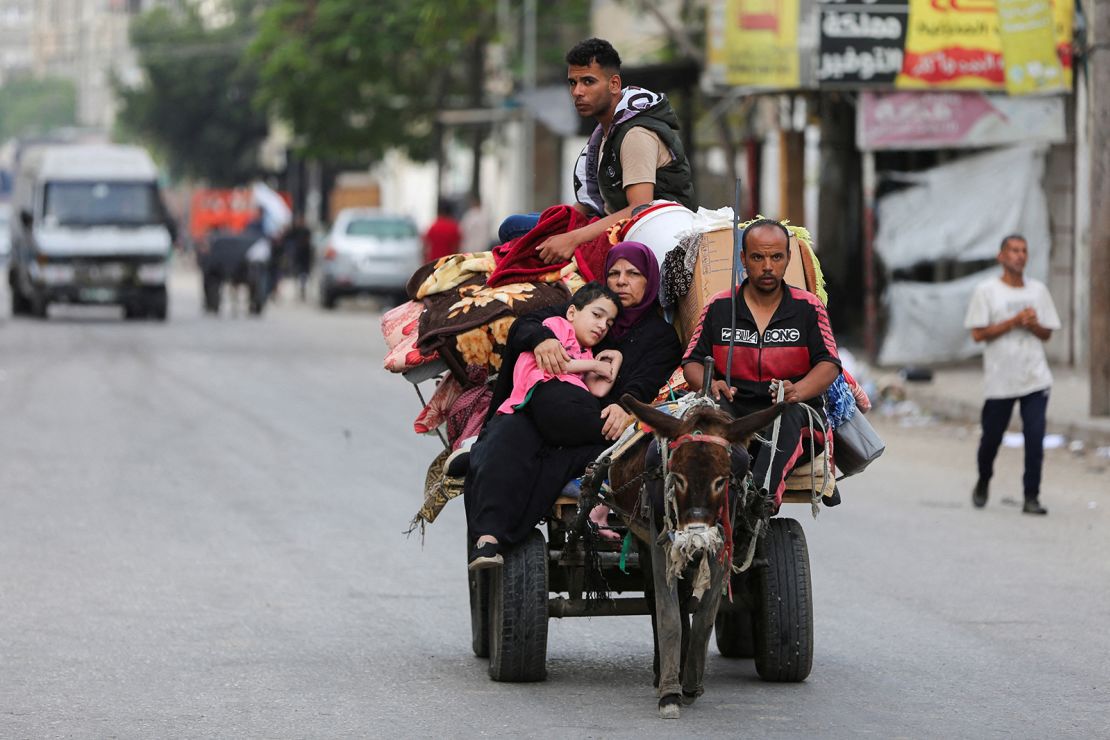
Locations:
{"points": [[685, 541]]}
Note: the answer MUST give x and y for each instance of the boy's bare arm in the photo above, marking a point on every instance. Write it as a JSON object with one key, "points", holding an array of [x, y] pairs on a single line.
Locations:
{"points": [[600, 379], [585, 366]]}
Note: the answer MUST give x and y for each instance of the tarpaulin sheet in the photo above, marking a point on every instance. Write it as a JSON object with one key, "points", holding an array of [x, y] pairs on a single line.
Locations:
{"points": [[959, 211], [926, 321]]}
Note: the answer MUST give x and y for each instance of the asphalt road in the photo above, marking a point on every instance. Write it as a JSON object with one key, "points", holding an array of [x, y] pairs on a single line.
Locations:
{"points": [[200, 536]]}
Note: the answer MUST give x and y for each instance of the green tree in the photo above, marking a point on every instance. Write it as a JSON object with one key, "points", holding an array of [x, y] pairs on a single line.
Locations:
{"points": [[358, 77], [36, 106], [355, 78], [197, 104]]}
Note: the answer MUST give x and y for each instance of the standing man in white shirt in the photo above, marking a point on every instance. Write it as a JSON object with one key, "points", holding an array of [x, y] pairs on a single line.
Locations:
{"points": [[1014, 315], [475, 227]]}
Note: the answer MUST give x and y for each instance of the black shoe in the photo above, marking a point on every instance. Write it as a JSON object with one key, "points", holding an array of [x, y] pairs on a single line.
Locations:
{"points": [[486, 555], [979, 494], [1032, 506]]}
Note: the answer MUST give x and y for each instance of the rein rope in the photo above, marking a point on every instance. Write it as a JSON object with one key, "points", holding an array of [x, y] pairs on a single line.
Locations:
{"points": [[811, 416]]}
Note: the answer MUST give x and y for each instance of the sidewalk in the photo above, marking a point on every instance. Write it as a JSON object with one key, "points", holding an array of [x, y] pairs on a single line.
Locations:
{"points": [[955, 393]]}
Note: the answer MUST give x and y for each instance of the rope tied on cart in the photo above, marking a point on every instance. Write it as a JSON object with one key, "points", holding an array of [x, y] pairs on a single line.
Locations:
{"points": [[811, 416]]}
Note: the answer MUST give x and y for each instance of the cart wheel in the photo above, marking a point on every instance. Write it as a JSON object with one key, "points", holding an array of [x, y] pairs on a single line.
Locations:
{"points": [[518, 613], [479, 612], [735, 632], [784, 616]]}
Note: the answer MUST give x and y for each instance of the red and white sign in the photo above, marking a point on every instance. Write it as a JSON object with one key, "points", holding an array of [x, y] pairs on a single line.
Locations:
{"points": [[955, 120]]}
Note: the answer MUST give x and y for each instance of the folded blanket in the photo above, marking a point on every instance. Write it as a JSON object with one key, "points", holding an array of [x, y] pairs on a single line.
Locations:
{"points": [[399, 327], [435, 413], [452, 271], [461, 324], [469, 410], [590, 257], [519, 261]]}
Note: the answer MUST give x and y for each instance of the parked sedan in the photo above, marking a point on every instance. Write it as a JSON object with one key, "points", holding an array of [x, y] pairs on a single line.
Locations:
{"points": [[368, 252]]}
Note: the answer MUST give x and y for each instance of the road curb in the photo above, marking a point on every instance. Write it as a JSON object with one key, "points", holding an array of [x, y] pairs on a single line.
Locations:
{"points": [[1092, 432]]}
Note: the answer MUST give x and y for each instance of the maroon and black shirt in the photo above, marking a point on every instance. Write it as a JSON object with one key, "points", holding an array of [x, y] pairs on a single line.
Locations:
{"points": [[797, 337]]}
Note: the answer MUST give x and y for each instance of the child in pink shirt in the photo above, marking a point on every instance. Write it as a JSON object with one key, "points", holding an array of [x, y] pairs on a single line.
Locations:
{"points": [[590, 314]]}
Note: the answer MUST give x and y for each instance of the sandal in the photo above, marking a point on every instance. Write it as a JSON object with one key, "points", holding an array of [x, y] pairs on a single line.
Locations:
{"points": [[486, 555]]}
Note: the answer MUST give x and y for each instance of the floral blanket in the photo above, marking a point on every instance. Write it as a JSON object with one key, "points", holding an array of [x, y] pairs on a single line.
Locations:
{"points": [[469, 324]]}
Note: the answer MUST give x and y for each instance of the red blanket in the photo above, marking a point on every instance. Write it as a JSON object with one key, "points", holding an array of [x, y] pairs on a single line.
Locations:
{"points": [[518, 261]]}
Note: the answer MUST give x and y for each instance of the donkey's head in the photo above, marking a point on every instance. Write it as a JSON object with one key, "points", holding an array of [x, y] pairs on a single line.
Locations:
{"points": [[699, 459]]}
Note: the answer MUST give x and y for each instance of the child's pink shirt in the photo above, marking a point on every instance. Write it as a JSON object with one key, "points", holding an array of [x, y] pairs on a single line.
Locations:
{"points": [[527, 373]]}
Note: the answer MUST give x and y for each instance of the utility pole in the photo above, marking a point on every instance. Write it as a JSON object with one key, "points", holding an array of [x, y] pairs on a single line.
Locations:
{"points": [[529, 124], [1098, 123]]}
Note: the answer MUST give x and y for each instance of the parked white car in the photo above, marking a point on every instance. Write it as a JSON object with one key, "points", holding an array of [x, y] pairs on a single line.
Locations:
{"points": [[369, 252]]}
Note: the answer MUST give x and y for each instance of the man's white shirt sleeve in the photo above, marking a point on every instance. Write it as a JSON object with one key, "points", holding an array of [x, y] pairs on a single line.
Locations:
{"points": [[978, 311], [1046, 309]]}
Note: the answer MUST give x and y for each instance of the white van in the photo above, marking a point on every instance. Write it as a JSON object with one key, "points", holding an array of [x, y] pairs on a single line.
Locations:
{"points": [[88, 226]]}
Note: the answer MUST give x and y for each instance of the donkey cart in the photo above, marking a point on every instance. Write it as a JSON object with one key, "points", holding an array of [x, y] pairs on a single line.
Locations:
{"points": [[770, 617], [571, 572]]}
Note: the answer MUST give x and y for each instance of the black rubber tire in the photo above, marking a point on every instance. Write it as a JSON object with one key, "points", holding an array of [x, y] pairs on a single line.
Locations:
{"points": [[518, 613], [39, 306], [784, 616], [735, 633], [479, 611], [327, 300], [157, 306], [21, 305]]}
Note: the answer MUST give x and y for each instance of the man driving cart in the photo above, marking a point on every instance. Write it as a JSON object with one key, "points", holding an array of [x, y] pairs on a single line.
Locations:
{"points": [[781, 342]]}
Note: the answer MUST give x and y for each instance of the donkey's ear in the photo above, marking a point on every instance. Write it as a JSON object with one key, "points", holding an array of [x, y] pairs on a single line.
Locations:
{"points": [[740, 430], [663, 424]]}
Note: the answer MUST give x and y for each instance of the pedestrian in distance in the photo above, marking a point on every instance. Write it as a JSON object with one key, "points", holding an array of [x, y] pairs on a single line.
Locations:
{"points": [[443, 237], [475, 227], [298, 253], [1013, 315], [634, 155]]}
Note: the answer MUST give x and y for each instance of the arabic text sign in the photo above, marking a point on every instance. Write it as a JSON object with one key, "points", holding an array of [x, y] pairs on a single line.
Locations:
{"points": [[952, 44], [941, 120], [761, 43], [861, 42], [1029, 48]]}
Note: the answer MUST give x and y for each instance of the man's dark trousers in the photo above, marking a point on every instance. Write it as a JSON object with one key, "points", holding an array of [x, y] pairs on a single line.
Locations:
{"points": [[996, 417]]}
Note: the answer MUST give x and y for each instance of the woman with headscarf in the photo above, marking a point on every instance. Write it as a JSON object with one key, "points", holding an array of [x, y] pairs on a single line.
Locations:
{"points": [[514, 477]]}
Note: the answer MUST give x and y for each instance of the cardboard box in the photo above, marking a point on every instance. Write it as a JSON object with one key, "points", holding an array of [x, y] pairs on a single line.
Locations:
{"points": [[713, 273]]}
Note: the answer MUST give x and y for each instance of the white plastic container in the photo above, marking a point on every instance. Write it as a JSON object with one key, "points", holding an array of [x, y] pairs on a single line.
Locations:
{"points": [[658, 227]]}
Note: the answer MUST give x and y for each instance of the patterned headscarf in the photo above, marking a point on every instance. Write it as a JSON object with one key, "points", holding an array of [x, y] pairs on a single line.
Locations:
{"points": [[643, 260]]}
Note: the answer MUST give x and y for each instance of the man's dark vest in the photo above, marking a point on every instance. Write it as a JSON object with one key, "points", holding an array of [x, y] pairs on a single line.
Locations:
{"points": [[672, 182]]}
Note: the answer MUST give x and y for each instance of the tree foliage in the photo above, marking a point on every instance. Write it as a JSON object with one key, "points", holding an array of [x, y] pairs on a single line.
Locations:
{"points": [[197, 105], [358, 77], [36, 106]]}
